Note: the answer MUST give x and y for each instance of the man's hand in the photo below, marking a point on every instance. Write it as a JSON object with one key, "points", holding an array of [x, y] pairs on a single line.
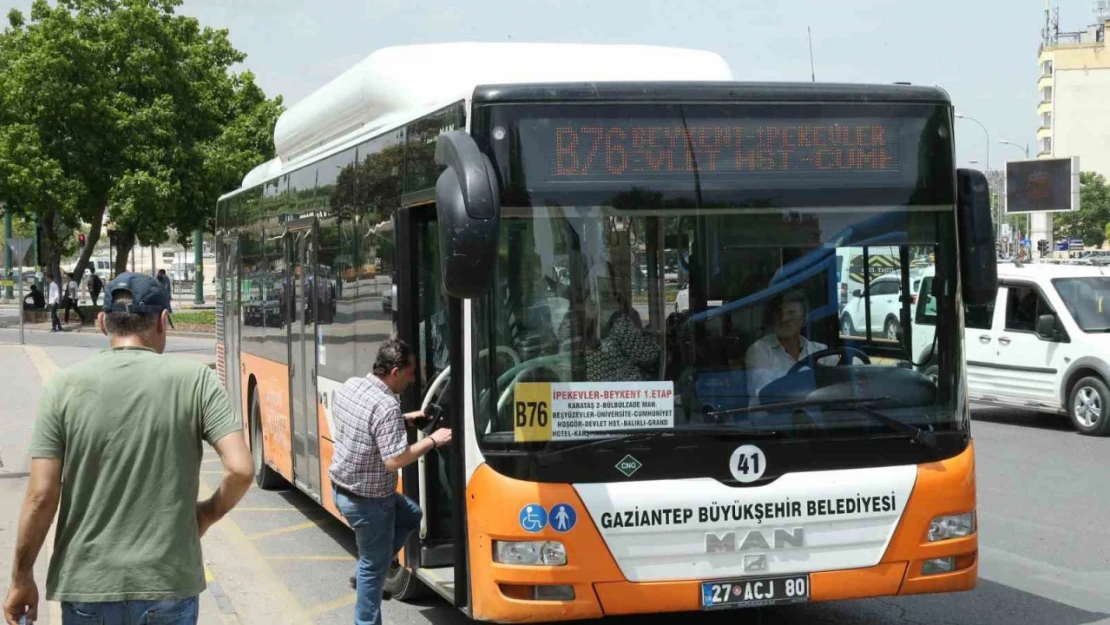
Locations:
{"points": [[22, 599], [412, 417], [441, 436]]}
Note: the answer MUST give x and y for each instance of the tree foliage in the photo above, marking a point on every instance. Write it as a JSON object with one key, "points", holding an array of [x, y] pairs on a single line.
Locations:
{"points": [[123, 108], [1090, 222]]}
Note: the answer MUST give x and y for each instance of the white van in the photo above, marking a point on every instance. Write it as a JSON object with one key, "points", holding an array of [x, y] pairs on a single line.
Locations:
{"points": [[1044, 344]]}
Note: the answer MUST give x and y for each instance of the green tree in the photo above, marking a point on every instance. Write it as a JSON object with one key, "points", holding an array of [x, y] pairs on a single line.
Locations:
{"points": [[121, 108], [1090, 221]]}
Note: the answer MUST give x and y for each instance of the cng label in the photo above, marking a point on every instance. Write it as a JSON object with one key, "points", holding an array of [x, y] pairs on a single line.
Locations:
{"points": [[629, 465], [747, 463], [532, 412]]}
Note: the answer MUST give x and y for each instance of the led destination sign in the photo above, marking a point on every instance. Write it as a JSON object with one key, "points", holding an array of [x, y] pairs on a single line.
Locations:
{"points": [[568, 150]]}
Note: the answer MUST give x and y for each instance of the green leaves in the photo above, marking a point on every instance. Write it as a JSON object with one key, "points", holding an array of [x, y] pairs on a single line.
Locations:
{"points": [[125, 108], [1090, 222]]}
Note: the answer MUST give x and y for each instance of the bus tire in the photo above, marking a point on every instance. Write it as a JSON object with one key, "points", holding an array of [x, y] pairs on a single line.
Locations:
{"points": [[1089, 407], [265, 477], [402, 584]]}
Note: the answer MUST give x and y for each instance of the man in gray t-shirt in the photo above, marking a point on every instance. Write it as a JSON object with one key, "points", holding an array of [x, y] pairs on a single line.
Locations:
{"points": [[118, 444]]}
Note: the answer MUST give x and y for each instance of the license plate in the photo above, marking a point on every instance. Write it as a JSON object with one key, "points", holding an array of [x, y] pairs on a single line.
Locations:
{"points": [[755, 592]]}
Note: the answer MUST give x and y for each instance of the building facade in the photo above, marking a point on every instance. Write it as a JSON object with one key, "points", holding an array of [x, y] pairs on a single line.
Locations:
{"points": [[1073, 112]]}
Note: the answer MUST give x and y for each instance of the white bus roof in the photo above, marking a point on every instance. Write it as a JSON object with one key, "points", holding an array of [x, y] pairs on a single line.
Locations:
{"points": [[398, 84]]}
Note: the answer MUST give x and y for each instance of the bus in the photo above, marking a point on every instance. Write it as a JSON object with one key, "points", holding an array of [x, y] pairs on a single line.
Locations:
{"points": [[526, 210]]}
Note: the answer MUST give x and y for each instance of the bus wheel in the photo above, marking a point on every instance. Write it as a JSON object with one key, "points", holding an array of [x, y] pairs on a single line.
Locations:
{"points": [[264, 476], [402, 584], [1089, 407]]}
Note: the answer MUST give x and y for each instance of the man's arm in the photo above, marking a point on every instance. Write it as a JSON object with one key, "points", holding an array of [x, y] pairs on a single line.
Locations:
{"points": [[236, 481], [439, 438], [39, 506]]}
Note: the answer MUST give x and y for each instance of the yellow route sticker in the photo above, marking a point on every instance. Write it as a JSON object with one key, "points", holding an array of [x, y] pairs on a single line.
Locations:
{"points": [[532, 412]]}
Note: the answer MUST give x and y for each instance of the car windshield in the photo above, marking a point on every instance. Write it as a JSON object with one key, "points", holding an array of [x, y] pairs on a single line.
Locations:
{"points": [[592, 333], [1087, 300]]}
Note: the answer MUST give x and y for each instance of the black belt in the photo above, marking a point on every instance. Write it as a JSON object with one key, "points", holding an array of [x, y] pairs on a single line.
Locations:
{"points": [[345, 491]]}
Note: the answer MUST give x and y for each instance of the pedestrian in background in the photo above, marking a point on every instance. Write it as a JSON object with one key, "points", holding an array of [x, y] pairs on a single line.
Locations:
{"points": [[370, 447], [69, 300], [96, 285], [53, 298], [165, 282], [118, 443]]}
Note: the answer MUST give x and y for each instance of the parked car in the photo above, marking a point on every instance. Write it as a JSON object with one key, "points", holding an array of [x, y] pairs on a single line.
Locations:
{"points": [[885, 302]]}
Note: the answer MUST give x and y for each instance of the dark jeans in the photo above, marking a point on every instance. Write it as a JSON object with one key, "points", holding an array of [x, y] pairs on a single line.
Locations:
{"points": [[382, 525], [55, 323], [182, 612]]}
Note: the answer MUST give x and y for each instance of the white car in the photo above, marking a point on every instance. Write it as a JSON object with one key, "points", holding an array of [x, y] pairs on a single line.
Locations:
{"points": [[885, 302], [1044, 344]]}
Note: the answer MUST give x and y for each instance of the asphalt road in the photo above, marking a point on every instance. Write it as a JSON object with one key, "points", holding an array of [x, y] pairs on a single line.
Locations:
{"points": [[1044, 498]]}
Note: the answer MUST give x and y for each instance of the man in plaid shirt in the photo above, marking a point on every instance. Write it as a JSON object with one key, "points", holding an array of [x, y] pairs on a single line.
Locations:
{"points": [[370, 447]]}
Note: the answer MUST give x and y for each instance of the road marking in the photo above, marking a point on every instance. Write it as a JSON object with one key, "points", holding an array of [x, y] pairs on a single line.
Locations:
{"points": [[342, 602], [266, 578], [290, 529], [42, 362], [212, 472], [210, 461], [208, 577], [312, 558]]}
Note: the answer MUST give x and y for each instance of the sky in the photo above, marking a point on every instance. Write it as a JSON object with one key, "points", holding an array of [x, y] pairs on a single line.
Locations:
{"points": [[982, 52]]}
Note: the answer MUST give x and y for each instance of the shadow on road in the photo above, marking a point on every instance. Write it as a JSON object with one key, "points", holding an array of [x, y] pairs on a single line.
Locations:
{"points": [[989, 604], [1023, 418]]}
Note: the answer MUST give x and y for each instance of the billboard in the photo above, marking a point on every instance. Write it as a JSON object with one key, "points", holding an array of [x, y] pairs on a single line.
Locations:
{"points": [[1042, 185]]}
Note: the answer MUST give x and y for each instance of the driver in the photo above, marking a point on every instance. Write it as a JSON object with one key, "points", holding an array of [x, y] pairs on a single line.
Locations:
{"points": [[772, 356]]}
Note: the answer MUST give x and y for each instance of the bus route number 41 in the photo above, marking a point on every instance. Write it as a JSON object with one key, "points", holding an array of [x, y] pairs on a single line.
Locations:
{"points": [[747, 463]]}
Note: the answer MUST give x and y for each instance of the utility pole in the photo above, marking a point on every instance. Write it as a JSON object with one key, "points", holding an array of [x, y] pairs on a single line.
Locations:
{"points": [[198, 261], [7, 248]]}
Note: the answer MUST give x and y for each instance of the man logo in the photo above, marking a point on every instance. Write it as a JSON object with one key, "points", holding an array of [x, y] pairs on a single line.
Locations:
{"points": [[755, 539]]}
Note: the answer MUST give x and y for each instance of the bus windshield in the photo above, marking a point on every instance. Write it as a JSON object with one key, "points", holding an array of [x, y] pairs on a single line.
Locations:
{"points": [[748, 304]]}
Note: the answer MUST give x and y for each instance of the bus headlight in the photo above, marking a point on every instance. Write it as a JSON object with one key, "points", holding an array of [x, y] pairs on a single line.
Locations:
{"points": [[951, 526], [530, 553]]}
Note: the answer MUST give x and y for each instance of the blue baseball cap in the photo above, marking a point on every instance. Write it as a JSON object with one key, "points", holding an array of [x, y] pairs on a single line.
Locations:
{"points": [[148, 296]]}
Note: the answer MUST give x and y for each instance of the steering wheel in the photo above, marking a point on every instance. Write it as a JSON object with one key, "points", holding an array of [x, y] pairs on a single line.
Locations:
{"points": [[846, 355]]}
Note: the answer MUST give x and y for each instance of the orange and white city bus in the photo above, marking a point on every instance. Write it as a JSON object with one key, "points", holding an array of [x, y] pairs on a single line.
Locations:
{"points": [[526, 215]]}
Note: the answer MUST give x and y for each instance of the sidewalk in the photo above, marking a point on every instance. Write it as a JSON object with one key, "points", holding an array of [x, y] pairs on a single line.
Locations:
{"points": [[73, 326], [26, 370]]}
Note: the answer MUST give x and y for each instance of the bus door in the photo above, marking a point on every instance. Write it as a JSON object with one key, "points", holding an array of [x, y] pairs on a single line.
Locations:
{"points": [[231, 311], [301, 276], [422, 320]]}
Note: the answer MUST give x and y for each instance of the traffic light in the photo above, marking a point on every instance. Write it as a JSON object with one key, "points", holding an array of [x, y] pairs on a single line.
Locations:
{"points": [[81, 240], [1042, 247]]}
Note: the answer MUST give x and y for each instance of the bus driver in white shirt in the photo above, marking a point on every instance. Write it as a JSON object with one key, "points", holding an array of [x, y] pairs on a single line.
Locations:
{"points": [[772, 356]]}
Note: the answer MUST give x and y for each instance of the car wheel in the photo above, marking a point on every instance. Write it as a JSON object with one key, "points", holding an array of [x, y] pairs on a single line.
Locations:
{"points": [[846, 327], [890, 329], [1088, 406]]}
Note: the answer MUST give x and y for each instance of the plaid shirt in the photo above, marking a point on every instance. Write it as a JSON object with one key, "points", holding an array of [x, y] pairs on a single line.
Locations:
{"points": [[369, 430]]}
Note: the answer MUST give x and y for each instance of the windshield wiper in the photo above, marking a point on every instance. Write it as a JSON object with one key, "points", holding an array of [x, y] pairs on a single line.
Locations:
{"points": [[863, 404]]}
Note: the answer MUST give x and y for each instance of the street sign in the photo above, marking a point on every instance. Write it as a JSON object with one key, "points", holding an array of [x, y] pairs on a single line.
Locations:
{"points": [[19, 248], [1042, 185], [7, 282]]}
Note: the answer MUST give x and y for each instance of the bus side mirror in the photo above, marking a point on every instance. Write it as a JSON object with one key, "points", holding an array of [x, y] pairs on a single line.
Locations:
{"points": [[468, 206], [978, 257]]}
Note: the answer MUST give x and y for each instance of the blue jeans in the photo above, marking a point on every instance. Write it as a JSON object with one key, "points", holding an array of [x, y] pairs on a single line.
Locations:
{"points": [[180, 612], [382, 525]]}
